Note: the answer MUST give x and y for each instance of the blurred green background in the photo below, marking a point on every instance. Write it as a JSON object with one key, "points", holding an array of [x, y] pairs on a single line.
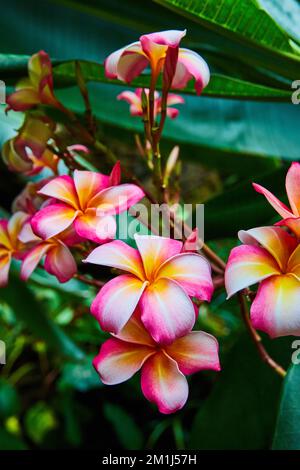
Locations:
{"points": [[50, 396]]}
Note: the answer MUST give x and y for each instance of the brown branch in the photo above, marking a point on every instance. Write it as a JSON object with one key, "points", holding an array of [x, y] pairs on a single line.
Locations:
{"points": [[90, 282], [257, 339]]}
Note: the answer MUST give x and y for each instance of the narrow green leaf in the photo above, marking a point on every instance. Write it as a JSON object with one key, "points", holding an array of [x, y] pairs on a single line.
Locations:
{"points": [[220, 86]]}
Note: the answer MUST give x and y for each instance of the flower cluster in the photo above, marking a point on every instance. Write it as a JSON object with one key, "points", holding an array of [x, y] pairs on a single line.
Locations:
{"points": [[270, 256], [151, 309]]}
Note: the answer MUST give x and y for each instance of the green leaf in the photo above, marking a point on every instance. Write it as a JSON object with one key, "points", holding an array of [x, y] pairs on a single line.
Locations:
{"points": [[240, 412], [39, 421], [10, 442], [287, 432], [242, 207], [27, 309], [243, 22], [80, 376], [129, 434], [220, 85], [9, 399]]}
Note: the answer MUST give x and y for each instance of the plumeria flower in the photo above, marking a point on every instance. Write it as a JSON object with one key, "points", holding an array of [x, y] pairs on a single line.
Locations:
{"points": [[291, 217], [271, 257], [29, 201], [135, 101], [89, 201], [37, 88], [10, 245], [152, 49], [58, 259], [160, 280], [163, 367], [27, 152]]}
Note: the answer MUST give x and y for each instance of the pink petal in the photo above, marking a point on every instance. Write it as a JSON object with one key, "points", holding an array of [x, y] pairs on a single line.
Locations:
{"points": [[115, 175], [52, 219], [4, 236], [32, 259], [174, 99], [118, 254], [163, 383], [88, 184], [194, 352], [172, 113], [293, 266], [5, 260], [63, 189], [274, 239], [191, 65], [135, 332], [281, 208], [116, 302], [94, 228], [131, 98], [126, 63], [26, 234], [293, 223], [275, 309], [166, 311], [117, 199], [155, 250], [247, 265], [292, 183], [15, 225], [60, 262], [23, 99], [118, 361], [192, 272], [170, 37]]}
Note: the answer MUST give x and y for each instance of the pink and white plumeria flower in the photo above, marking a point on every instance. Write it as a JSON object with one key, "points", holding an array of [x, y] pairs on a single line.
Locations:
{"points": [[291, 217], [271, 257], [38, 88], [58, 259], [152, 49], [161, 280], [134, 98], [163, 368], [87, 201], [10, 245]]}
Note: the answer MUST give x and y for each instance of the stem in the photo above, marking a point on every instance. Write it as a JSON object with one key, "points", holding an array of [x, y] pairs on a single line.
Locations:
{"points": [[90, 282], [257, 339]]}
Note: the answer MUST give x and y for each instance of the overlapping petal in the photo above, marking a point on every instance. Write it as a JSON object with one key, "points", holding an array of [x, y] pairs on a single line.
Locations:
{"points": [[164, 384], [166, 311], [192, 272], [118, 254], [275, 240], [5, 259], [117, 360], [52, 219], [88, 184], [191, 65], [281, 208], [275, 309], [95, 228], [293, 187], [4, 236], [194, 352], [155, 250], [116, 302], [116, 199], [247, 265], [63, 189], [59, 261], [32, 259], [135, 332]]}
